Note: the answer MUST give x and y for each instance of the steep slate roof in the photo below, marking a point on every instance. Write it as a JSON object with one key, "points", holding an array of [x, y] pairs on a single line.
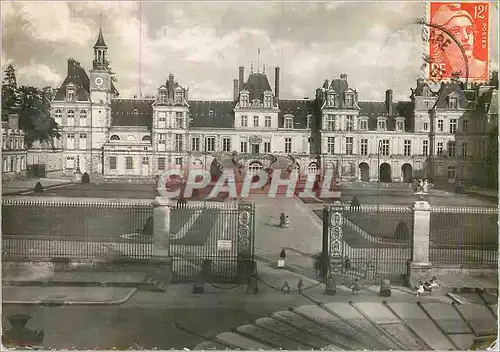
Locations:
{"points": [[374, 109], [493, 109], [77, 76], [222, 115], [447, 89], [299, 109], [339, 85], [257, 84], [122, 112]]}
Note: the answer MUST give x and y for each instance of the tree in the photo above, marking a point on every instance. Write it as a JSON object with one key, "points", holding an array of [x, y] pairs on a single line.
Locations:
{"points": [[34, 115], [492, 158], [10, 95]]}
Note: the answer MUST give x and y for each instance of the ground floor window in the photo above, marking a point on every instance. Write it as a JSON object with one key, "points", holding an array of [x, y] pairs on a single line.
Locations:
{"points": [[70, 162], [112, 162], [129, 163], [178, 161], [5, 165], [145, 160], [451, 172], [23, 164]]}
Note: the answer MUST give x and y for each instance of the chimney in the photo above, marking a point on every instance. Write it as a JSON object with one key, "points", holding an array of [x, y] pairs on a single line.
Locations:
{"points": [[241, 79], [277, 82], [343, 76], [71, 67], [236, 92], [14, 121], [326, 84], [388, 101], [171, 81]]}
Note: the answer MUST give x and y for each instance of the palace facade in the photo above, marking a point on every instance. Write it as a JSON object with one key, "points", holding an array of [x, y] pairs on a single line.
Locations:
{"points": [[439, 134], [14, 151]]}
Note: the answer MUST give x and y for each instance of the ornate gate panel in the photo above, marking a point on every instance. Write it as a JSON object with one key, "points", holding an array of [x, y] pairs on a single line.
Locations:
{"points": [[335, 250], [246, 239]]}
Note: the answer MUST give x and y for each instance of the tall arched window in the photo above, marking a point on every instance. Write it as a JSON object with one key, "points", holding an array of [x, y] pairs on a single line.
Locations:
{"points": [[254, 168], [58, 114], [71, 114], [83, 114], [313, 168], [114, 138]]}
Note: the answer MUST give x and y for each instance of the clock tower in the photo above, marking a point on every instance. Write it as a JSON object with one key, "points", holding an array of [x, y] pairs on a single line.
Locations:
{"points": [[100, 96]]}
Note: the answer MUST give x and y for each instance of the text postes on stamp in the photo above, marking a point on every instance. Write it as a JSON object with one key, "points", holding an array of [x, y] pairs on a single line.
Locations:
{"points": [[458, 41]]}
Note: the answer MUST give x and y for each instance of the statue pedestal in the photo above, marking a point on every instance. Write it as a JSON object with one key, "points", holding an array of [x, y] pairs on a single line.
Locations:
{"points": [[77, 178]]}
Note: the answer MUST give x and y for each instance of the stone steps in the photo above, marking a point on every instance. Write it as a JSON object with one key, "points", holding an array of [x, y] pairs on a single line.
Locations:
{"points": [[364, 325]]}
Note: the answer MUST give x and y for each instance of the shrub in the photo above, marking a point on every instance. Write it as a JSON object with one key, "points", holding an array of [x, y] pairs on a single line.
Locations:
{"points": [[402, 231], [38, 188], [85, 178]]}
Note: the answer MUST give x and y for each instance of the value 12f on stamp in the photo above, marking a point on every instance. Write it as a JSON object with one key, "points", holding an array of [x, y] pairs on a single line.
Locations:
{"points": [[458, 40]]}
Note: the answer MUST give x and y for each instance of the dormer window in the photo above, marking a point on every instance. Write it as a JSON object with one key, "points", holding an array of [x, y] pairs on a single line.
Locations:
{"points": [[244, 99], [453, 102], [288, 122], [211, 113], [267, 100], [381, 124], [114, 138], [309, 122], [349, 100], [136, 112], [178, 96], [70, 95], [426, 92], [363, 125], [400, 124], [162, 97], [331, 99]]}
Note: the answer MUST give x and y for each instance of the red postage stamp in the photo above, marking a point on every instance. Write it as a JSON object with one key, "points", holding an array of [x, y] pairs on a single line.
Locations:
{"points": [[459, 40]]}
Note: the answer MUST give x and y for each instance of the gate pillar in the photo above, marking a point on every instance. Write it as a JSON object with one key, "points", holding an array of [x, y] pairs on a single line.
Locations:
{"points": [[335, 247], [161, 260], [246, 243]]}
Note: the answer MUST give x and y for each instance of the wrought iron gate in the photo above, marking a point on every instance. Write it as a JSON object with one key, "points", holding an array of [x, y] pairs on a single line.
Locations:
{"points": [[212, 241], [366, 242]]}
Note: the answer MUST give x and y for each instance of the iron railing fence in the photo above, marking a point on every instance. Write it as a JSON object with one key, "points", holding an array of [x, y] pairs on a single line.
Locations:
{"points": [[377, 241], [463, 235], [76, 228], [207, 242]]}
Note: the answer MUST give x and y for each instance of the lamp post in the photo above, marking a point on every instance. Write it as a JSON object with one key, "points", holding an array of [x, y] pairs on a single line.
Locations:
{"points": [[378, 185]]}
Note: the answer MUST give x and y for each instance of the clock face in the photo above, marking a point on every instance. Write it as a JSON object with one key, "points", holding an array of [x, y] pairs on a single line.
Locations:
{"points": [[98, 81]]}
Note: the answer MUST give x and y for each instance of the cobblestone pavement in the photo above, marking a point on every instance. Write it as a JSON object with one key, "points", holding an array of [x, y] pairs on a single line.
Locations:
{"points": [[148, 319]]}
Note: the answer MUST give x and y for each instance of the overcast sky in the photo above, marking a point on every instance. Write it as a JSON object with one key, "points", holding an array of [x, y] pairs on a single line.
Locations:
{"points": [[376, 44]]}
